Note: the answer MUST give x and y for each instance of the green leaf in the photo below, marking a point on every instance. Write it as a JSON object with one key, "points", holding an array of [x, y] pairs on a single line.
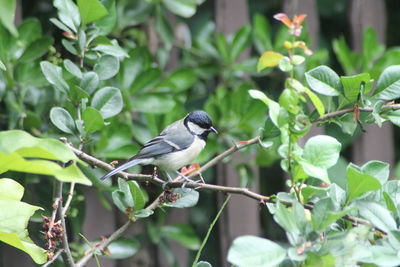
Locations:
{"points": [[107, 23], [292, 220], [7, 14], [346, 57], [255, 251], [163, 28], [377, 215], [182, 233], [53, 75], [91, 10], [382, 256], [388, 85], [289, 99], [154, 103], [60, 25], [2, 66], [108, 101], [324, 80], [203, 264], [112, 49], [76, 94], [123, 248], [222, 46], [322, 151], [137, 195], [186, 198], [127, 195], [297, 60], [183, 8], [10, 189], [378, 169], [319, 106], [38, 254], [143, 213], [182, 79], [352, 85], [261, 33], [68, 13], [240, 41], [324, 214], [89, 82], [93, 121], [118, 199], [72, 68], [62, 120], [106, 67], [146, 80], [285, 64], [389, 203], [314, 260], [359, 183], [37, 49], [272, 105], [14, 220], [26, 145], [269, 59]]}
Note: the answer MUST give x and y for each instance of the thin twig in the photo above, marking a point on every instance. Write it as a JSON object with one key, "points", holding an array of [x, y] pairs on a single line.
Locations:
{"points": [[209, 231], [349, 110], [69, 199], [54, 258], [67, 257], [104, 244]]}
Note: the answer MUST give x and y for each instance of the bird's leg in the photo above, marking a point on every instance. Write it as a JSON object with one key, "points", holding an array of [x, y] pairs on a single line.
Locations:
{"points": [[187, 180], [165, 184]]}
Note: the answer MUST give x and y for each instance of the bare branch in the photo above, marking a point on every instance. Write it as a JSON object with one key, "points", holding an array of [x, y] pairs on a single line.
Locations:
{"points": [[69, 199], [349, 110]]}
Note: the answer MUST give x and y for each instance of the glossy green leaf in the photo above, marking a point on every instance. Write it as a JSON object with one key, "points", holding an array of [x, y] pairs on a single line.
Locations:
{"points": [[72, 68], [377, 215], [378, 169], [314, 260], [324, 80], [359, 183], [106, 67], [297, 59], [2, 66], [346, 57], [60, 25], [390, 205], [352, 85], [123, 248], [7, 13], [269, 59], [91, 10], [319, 106], [186, 198], [272, 105], [37, 49], [118, 200], [261, 33], [240, 41], [10, 189], [62, 120], [322, 151], [93, 121], [285, 64], [137, 195], [68, 13], [182, 233], [388, 85], [107, 23], [53, 75], [324, 214], [163, 28], [154, 103], [183, 8], [146, 80], [143, 213], [108, 101], [255, 251], [89, 82], [111, 49], [76, 94], [203, 264], [182, 79]]}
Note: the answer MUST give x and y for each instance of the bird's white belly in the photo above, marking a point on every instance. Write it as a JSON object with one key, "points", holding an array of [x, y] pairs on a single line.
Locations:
{"points": [[176, 160]]}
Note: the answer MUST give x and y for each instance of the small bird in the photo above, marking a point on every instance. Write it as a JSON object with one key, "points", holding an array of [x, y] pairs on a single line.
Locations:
{"points": [[176, 146]]}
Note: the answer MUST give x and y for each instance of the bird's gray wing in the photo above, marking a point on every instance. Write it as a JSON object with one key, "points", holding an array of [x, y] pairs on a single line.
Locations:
{"points": [[173, 138]]}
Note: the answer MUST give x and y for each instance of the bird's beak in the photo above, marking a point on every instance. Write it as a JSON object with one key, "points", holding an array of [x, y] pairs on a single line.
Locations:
{"points": [[212, 129]]}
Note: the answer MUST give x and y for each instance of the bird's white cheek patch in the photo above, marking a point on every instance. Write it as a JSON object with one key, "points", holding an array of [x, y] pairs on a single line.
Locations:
{"points": [[196, 129]]}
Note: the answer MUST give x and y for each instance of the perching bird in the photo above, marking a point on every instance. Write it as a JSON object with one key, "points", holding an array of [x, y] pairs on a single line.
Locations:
{"points": [[176, 146]]}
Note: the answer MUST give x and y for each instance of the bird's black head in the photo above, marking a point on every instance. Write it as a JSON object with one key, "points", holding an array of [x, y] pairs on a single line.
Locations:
{"points": [[198, 122]]}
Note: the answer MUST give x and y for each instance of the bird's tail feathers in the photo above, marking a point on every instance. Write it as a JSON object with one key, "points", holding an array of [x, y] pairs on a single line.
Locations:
{"points": [[122, 168]]}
